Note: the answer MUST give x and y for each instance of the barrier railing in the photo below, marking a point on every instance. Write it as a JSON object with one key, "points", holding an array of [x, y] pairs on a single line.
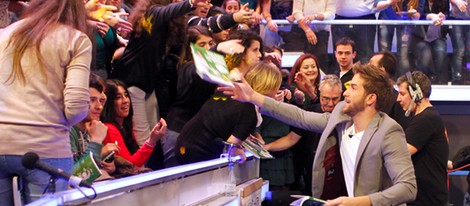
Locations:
{"points": [[377, 22], [181, 185]]}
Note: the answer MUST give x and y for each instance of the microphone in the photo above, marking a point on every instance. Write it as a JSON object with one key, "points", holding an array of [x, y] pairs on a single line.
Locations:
{"points": [[350, 135], [31, 161], [408, 111]]}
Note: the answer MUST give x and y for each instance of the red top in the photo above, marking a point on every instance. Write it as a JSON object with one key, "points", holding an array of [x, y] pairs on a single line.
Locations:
{"points": [[139, 157]]}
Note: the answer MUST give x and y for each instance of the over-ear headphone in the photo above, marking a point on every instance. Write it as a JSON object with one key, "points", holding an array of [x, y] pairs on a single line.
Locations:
{"points": [[415, 92]]}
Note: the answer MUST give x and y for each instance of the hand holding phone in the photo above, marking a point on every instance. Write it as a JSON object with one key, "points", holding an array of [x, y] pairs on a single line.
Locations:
{"points": [[110, 157]]}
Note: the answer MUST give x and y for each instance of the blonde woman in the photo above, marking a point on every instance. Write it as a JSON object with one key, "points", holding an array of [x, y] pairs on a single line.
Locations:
{"points": [[223, 118]]}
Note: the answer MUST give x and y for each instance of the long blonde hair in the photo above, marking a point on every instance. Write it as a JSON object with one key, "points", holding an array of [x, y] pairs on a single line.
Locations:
{"points": [[40, 18]]}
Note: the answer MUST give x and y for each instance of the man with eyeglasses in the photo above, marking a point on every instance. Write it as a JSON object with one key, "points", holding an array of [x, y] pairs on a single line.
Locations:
{"points": [[330, 95]]}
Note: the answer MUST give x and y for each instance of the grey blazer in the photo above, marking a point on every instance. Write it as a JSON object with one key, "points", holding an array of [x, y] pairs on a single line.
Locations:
{"points": [[384, 170]]}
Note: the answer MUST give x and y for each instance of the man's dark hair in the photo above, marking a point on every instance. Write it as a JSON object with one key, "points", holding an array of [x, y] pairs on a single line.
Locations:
{"points": [[346, 41], [388, 62], [375, 82], [97, 82]]}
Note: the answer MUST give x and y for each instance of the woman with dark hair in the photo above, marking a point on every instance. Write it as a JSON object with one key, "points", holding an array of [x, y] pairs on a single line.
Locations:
{"points": [[45, 59], [140, 65], [117, 116], [251, 55], [304, 79]]}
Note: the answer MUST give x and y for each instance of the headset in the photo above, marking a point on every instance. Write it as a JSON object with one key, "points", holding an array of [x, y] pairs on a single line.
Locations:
{"points": [[415, 92]]}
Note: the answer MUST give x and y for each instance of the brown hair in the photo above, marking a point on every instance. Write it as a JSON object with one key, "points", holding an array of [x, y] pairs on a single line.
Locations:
{"points": [[41, 17], [388, 62], [193, 34], [346, 41], [375, 82]]}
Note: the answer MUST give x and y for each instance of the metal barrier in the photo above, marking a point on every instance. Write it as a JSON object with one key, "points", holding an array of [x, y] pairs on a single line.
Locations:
{"points": [[377, 22], [182, 185]]}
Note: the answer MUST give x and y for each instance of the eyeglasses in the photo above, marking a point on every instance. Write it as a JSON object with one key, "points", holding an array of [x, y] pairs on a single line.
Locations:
{"points": [[328, 99]]}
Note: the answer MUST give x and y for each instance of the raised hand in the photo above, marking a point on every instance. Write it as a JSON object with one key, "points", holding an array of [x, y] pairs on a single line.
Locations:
{"points": [[97, 10], [233, 46], [287, 94], [305, 85], [122, 26], [109, 147], [299, 97], [301, 80], [158, 131], [273, 57], [97, 131], [279, 96], [243, 16], [257, 18], [100, 27], [241, 91], [460, 4]]}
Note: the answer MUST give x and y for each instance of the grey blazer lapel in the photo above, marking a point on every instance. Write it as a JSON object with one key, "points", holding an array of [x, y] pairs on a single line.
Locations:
{"points": [[367, 136]]}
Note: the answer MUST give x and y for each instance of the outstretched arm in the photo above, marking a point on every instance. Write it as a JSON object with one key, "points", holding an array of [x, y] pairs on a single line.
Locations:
{"points": [[283, 143]]}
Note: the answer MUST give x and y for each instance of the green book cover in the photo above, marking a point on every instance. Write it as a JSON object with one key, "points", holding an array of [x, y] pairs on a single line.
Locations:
{"points": [[86, 168], [255, 147], [211, 66], [307, 201]]}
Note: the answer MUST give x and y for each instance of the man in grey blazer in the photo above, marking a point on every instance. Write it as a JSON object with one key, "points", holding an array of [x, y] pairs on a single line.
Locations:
{"points": [[362, 157]]}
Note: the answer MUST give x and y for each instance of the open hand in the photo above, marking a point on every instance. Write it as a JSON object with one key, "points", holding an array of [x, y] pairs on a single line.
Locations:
{"points": [[241, 91], [97, 10], [158, 131], [244, 15], [100, 27], [461, 5], [122, 26]]}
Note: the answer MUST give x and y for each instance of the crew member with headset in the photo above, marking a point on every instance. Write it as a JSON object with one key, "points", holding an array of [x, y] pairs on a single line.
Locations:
{"points": [[426, 138]]}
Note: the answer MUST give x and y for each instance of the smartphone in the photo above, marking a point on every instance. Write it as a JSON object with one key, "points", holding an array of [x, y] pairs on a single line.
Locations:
{"points": [[110, 157], [308, 201], [311, 201]]}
